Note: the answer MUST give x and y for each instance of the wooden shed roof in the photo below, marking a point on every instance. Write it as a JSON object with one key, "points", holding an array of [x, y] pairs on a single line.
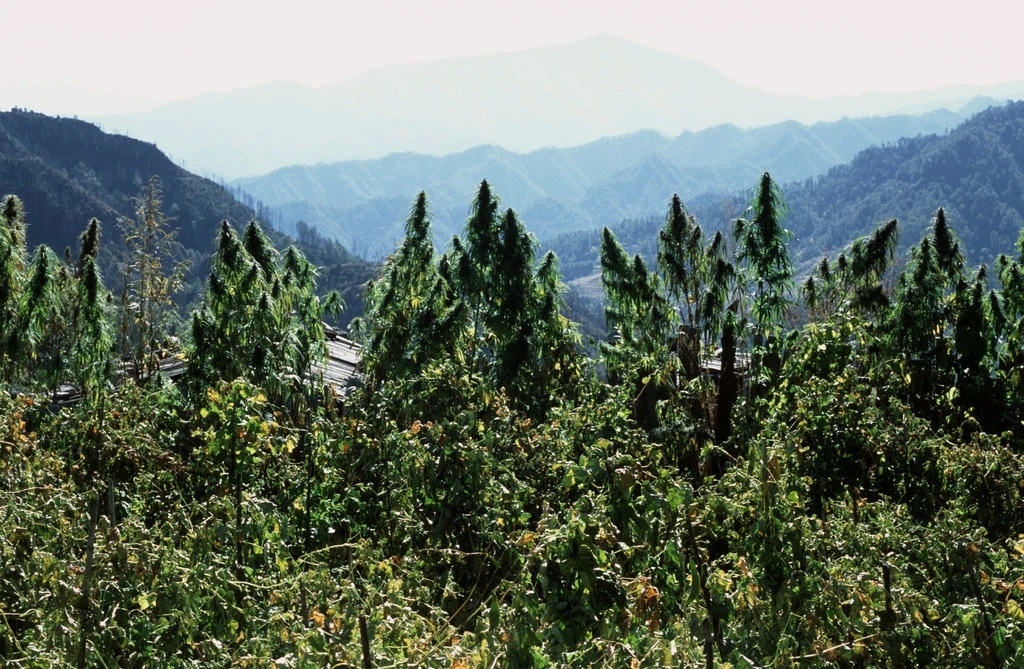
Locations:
{"points": [[340, 370], [342, 365]]}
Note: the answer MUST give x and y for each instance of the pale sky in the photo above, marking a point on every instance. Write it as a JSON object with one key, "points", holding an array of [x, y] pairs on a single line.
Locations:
{"points": [[179, 48]]}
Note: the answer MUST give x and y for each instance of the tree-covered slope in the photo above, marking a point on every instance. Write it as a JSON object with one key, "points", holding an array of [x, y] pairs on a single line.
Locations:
{"points": [[976, 173], [736, 490], [68, 171]]}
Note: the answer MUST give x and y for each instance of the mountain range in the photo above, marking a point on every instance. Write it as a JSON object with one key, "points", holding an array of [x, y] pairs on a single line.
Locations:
{"points": [[68, 171], [558, 96], [364, 203], [975, 173]]}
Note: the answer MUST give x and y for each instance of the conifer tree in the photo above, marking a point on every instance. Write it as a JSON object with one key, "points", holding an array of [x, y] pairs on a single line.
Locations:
{"points": [[92, 351], [766, 276], [261, 318], [766, 268], [404, 302], [308, 310], [474, 263], [39, 318], [698, 279], [919, 326], [482, 306], [308, 344], [12, 277], [89, 244], [512, 307], [972, 324], [1007, 315], [226, 328], [921, 313], [641, 319], [555, 340], [149, 278], [855, 279], [513, 297]]}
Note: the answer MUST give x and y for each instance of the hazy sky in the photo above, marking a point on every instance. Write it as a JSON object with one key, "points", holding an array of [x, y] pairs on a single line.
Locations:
{"points": [[178, 48]]}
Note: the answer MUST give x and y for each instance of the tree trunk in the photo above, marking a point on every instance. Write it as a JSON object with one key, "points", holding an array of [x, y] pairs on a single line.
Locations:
{"points": [[728, 386]]}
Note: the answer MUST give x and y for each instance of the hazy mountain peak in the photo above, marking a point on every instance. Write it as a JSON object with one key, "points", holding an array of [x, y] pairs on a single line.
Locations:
{"points": [[553, 96]]}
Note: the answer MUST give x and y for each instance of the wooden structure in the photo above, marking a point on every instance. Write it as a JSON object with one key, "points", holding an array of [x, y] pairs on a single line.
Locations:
{"points": [[340, 369], [342, 365], [713, 365]]}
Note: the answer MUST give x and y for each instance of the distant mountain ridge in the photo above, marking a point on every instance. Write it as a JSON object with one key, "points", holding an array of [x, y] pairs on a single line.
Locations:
{"points": [[975, 173], [364, 203], [553, 96]]}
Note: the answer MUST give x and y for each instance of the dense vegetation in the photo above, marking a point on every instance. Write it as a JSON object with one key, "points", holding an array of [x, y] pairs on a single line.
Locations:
{"points": [[764, 475]]}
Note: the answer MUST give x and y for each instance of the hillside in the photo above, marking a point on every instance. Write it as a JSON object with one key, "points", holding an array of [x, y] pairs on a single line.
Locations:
{"points": [[846, 493], [975, 172], [68, 171], [558, 96], [559, 190]]}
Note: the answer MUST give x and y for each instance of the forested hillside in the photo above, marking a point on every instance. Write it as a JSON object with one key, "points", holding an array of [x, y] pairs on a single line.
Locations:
{"points": [[765, 474], [559, 190], [975, 172], [67, 172]]}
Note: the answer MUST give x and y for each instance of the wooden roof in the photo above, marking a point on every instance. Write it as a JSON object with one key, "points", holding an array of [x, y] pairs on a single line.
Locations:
{"points": [[341, 369], [342, 365], [713, 365]]}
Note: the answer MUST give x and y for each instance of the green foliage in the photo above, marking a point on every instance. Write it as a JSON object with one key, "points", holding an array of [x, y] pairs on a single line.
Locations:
{"points": [[948, 332], [91, 353], [150, 278], [763, 253], [488, 502], [855, 280], [38, 314], [410, 306], [261, 320], [12, 277], [849, 437], [486, 303], [640, 316], [983, 473]]}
